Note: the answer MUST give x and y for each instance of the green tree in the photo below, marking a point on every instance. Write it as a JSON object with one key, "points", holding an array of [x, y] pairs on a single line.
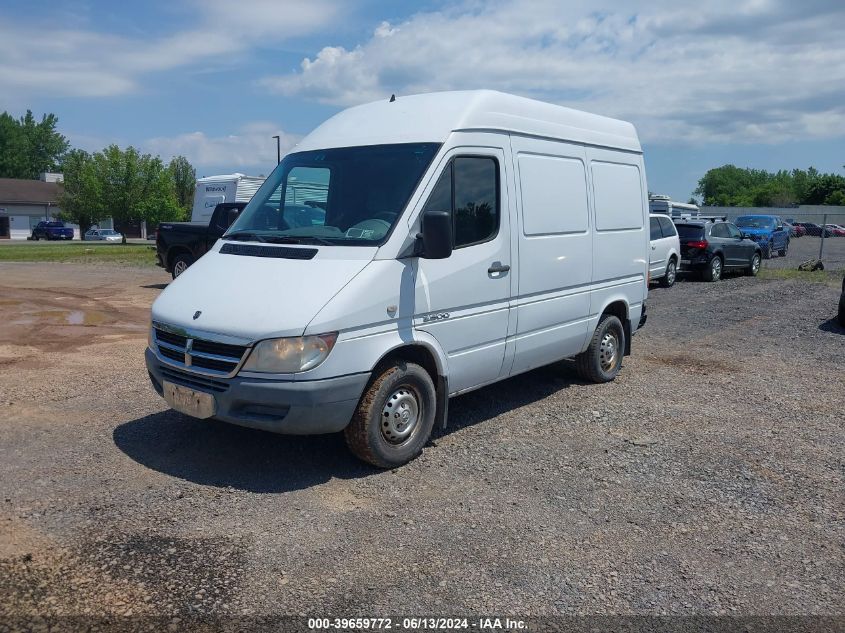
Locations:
{"points": [[185, 181], [123, 184], [29, 147], [80, 199], [135, 186], [731, 186]]}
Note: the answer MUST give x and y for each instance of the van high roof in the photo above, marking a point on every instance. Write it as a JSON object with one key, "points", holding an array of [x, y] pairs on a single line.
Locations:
{"points": [[432, 117]]}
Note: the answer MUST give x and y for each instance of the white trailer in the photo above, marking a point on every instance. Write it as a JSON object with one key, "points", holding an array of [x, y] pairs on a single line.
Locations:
{"points": [[212, 190], [666, 206]]}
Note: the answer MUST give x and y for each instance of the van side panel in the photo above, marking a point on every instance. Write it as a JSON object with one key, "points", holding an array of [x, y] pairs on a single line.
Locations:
{"points": [[552, 304], [621, 237]]}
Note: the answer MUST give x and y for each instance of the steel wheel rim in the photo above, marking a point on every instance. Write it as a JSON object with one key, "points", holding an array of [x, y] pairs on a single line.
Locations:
{"points": [[608, 351], [716, 267], [670, 273], [400, 415], [180, 267]]}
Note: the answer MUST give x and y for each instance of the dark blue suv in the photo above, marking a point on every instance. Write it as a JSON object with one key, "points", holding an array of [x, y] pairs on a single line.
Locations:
{"points": [[768, 231]]}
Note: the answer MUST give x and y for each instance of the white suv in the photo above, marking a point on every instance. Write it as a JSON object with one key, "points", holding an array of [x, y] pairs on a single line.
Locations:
{"points": [[665, 250]]}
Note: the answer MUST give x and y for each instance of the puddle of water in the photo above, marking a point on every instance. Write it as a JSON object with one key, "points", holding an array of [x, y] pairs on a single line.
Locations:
{"points": [[66, 317]]}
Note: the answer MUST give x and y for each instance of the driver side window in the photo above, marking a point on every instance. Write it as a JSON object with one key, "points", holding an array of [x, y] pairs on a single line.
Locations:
{"points": [[469, 189], [734, 232]]}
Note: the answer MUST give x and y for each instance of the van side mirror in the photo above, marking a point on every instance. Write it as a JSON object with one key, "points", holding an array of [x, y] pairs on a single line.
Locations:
{"points": [[436, 235], [231, 216]]}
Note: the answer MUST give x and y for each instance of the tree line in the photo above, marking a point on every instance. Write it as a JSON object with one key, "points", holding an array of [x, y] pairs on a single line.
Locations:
{"points": [[122, 184], [731, 186]]}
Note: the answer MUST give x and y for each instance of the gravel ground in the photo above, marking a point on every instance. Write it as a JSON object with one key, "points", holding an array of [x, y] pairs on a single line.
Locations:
{"points": [[706, 480]]}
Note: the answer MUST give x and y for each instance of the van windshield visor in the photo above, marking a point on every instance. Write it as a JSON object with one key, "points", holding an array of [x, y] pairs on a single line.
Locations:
{"points": [[343, 196]]}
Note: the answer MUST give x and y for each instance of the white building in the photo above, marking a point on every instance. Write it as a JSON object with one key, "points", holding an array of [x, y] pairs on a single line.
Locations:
{"points": [[25, 203]]}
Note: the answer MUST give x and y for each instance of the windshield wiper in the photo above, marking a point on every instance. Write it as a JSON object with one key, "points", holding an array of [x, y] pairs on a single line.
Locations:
{"points": [[291, 239], [244, 236]]}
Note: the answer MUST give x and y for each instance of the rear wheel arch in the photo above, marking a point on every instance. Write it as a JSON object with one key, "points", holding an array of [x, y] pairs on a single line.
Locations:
{"points": [[620, 310], [174, 251]]}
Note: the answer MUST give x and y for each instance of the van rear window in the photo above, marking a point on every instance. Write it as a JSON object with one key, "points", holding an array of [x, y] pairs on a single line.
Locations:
{"points": [[690, 231]]}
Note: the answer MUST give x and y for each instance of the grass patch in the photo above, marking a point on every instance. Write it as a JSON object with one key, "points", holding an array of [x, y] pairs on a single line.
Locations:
{"points": [[827, 277], [80, 253]]}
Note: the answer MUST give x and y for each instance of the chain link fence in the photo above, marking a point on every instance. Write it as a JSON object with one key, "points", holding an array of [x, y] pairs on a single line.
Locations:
{"points": [[807, 237]]}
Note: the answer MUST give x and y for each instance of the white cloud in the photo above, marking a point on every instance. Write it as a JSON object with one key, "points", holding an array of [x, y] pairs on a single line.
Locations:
{"points": [[742, 70], [251, 148], [59, 61]]}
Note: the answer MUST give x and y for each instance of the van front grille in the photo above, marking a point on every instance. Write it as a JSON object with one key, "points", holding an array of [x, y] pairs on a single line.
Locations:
{"points": [[197, 355]]}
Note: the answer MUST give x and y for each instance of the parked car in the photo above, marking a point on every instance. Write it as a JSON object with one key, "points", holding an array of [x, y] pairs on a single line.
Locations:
{"points": [[814, 230], [52, 231], [103, 235], [711, 248], [420, 277], [768, 231], [835, 230], [665, 250], [842, 305], [180, 244], [795, 230]]}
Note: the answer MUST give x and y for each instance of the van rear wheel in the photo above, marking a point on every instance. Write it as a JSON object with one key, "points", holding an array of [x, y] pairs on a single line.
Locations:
{"points": [[668, 280], [602, 360], [394, 419]]}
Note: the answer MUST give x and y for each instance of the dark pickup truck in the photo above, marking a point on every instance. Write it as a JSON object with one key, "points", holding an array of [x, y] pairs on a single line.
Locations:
{"points": [[180, 244], [51, 231]]}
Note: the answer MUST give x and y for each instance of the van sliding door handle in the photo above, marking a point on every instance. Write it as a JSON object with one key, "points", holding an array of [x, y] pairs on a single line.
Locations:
{"points": [[497, 267]]}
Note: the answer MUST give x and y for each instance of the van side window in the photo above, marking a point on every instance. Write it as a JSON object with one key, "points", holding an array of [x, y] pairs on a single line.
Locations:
{"points": [[668, 227], [656, 233], [469, 188]]}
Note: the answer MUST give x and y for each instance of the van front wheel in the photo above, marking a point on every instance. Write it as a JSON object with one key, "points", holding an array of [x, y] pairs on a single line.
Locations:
{"points": [[602, 360], [394, 419]]}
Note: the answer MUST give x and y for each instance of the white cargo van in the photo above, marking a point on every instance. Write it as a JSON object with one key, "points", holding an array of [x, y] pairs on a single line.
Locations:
{"points": [[460, 238], [213, 190]]}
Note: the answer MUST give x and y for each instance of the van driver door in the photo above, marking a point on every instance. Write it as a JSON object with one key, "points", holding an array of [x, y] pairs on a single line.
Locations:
{"points": [[463, 300]]}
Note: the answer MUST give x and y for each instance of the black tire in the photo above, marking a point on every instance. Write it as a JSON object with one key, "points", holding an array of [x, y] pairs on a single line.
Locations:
{"points": [[181, 263], [35, 237], [594, 365], [782, 252], [668, 279], [754, 265], [713, 272], [768, 251], [377, 438], [842, 315]]}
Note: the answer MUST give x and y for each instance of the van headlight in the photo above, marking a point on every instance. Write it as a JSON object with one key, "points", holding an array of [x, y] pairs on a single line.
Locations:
{"points": [[290, 355]]}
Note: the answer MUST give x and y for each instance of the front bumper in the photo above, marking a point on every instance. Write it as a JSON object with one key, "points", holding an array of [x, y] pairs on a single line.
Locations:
{"points": [[307, 407]]}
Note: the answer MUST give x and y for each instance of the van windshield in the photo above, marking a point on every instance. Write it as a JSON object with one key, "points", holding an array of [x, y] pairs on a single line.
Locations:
{"points": [[348, 196]]}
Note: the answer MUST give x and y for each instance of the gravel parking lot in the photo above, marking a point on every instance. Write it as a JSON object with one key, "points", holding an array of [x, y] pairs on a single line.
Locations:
{"points": [[707, 479]]}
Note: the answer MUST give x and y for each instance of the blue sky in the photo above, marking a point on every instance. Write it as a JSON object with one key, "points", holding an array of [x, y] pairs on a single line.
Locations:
{"points": [[758, 83]]}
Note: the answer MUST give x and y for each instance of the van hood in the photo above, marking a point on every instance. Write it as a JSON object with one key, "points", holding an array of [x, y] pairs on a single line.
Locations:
{"points": [[257, 297]]}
